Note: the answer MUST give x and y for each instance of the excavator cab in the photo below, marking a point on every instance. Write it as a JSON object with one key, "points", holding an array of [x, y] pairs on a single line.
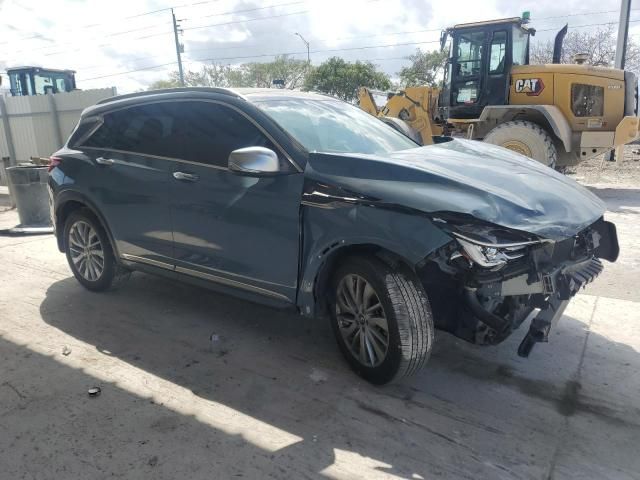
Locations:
{"points": [[481, 55], [25, 81]]}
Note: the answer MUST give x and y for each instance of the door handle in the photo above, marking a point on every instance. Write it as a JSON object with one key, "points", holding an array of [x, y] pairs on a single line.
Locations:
{"points": [[104, 161], [189, 177]]}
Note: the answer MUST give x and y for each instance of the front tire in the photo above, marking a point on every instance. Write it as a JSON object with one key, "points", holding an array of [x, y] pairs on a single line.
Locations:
{"points": [[381, 319], [89, 251], [527, 138]]}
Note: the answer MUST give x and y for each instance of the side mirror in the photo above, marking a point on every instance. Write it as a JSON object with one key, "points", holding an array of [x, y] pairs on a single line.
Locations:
{"points": [[254, 161]]}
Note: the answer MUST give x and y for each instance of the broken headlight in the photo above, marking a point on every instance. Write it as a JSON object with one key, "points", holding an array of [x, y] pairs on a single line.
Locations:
{"points": [[491, 247]]}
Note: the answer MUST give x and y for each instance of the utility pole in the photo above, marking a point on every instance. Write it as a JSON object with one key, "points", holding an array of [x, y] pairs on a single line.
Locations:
{"points": [[623, 33], [179, 47], [307, 45]]}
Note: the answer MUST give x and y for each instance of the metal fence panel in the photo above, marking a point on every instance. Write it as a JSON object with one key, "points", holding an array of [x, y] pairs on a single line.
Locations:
{"points": [[39, 125]]}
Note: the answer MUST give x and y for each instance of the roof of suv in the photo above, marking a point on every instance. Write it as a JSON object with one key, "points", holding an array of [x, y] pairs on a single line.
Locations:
{"points": [[253, 93]]}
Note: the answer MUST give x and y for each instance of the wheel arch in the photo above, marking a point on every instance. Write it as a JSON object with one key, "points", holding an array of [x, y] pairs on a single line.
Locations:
{"points": [[69, 202], [335, 256], [549, 117]]}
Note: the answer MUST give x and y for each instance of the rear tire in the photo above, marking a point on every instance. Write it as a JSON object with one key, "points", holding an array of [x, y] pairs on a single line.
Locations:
{"points": [[89, 251], [527, 138], [385, 328]]}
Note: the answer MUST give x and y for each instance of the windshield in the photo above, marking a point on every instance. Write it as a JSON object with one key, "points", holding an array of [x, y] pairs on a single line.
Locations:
{"points": [[332, 126]]}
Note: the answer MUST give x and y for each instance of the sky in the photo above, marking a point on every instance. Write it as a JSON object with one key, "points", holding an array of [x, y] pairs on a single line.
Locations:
{"points": [[130, 44]]}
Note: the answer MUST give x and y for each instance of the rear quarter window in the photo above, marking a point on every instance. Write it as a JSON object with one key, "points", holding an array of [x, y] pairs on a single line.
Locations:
{"points": [[82, 132]]}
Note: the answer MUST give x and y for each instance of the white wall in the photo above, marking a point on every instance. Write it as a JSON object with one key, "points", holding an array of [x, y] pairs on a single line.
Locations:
{"points": [[35, 129]]}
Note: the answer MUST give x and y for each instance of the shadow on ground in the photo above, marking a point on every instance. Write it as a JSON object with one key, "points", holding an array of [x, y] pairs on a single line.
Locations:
{"points": [[460, 418]]}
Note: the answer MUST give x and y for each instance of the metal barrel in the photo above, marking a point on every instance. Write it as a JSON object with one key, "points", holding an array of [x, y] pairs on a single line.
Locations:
{"points": [[29, 188]]}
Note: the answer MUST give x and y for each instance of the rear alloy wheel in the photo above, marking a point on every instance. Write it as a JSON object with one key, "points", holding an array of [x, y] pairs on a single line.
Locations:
{"points": [[88, 251], [526, 138], [381, 319]]}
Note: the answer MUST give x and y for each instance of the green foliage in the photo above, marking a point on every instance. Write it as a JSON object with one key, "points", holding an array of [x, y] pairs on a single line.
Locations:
{"points": [[342, 79], [426, 69], [259, 75]]}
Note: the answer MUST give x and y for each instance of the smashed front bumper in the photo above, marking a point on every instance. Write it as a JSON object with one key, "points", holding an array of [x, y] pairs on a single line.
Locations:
{"points": [[560, 288], [495, 303]]}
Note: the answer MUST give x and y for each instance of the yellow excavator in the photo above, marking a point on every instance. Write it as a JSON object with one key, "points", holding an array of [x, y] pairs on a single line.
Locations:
{"points": [[556, 114]]}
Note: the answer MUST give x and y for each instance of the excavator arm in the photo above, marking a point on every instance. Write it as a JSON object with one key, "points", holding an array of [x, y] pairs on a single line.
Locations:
{"points": [[413, 105]]}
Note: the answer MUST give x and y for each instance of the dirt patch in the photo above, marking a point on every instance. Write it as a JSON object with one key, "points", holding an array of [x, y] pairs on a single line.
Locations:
{"points": [[621, 173]]}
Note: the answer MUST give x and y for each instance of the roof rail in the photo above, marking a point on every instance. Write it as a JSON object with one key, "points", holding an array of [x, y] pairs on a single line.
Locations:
{"points": [[160, 91]]}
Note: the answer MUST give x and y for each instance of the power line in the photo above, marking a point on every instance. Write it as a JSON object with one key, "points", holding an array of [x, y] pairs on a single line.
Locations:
{"points": [[588, 25], [152, 12], [283, 15], [187, 28], [197, 26], [151, 67], [253, 9], [579, 14], [330, 50], [322, 51]]}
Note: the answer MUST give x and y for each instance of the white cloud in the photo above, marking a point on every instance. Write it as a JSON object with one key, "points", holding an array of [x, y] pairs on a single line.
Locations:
{"points": [[56, 34]]}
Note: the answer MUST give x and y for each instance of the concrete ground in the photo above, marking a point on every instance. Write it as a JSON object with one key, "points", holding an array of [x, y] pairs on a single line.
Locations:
{"points": [[272, 398]]}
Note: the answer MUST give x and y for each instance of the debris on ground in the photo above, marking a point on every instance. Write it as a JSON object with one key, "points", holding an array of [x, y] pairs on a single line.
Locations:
{"points": [[318, 376], [94, 391], [217, 345], [66, 351]]}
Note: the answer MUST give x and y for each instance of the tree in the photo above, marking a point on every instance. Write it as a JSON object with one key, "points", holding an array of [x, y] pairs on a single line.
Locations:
{"points": [[599, 45], [254, 74], [342, 79], [426, 69], [291, 71]]}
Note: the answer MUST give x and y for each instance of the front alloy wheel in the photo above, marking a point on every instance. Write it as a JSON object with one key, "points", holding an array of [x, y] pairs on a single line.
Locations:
{"points": [[381, 318], [362, 321]]}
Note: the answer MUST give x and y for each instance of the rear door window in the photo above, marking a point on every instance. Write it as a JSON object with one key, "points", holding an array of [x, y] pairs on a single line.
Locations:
{"points": [[146, 129]]}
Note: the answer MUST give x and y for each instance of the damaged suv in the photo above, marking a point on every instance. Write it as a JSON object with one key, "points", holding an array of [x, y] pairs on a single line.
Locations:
{"points": [[300, 200]]}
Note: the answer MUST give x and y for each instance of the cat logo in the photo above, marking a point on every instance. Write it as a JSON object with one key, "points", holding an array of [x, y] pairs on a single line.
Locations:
{"points": [[531, 86]]}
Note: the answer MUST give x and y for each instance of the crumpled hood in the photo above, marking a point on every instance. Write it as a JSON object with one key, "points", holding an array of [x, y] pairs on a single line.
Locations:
{"points": [[470, 177]]}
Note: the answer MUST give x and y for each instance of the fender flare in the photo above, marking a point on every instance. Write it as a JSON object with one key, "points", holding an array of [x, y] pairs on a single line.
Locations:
{"points": [[67, 196], [552, 114], [405, 236]]}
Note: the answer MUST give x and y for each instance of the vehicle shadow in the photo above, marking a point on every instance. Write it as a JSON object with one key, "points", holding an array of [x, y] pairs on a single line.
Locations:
{"points": [[52, 429], [460, 418]]}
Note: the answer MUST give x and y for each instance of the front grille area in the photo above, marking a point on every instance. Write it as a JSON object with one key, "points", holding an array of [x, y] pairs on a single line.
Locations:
{"points": [[577, 276]]}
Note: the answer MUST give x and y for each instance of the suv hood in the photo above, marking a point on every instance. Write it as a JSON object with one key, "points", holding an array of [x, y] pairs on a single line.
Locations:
{"points": [[490, 183]]}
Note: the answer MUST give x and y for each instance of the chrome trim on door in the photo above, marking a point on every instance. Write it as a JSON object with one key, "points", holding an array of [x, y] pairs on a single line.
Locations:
{"points": [[231, 274], [150, 261], [105, 161], [189, 177], [232, 283], [206, 276]]}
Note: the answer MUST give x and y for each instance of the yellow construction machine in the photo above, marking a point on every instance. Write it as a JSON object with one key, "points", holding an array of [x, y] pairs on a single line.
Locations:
{"points": [[556, 114]]}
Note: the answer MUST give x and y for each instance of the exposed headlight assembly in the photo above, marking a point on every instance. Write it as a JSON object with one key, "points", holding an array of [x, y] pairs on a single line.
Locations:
{"points": [[489, 247]]}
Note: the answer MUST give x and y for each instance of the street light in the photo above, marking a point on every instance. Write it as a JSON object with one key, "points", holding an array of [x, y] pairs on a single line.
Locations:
{"points": [[307, 45]]}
